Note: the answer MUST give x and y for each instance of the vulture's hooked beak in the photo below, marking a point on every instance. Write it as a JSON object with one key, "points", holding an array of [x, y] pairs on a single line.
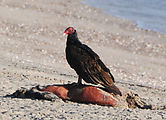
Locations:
{"points": [[64, 34]]}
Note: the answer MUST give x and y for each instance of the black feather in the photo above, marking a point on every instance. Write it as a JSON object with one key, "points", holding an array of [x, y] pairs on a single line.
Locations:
{"points": [[88, 65]]}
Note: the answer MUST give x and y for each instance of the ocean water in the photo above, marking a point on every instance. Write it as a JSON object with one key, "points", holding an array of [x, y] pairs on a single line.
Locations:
{"points": [[148, 14]]}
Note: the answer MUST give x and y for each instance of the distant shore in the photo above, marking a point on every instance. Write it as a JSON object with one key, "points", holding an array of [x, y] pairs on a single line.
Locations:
{"points": [[149, 15]]}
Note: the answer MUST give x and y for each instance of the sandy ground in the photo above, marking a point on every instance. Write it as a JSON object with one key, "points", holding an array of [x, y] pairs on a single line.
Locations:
{"points": [[32, 52]]}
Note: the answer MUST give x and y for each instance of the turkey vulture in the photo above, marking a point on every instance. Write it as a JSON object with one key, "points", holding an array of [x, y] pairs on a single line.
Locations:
{"points": [[87, 63]]}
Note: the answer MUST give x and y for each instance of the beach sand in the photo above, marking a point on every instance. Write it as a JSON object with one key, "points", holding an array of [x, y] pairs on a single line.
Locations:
{"points": [[32, 52]]}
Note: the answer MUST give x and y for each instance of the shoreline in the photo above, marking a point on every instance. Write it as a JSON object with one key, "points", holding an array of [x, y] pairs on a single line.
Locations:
{"points": [[33, 52], [111, 8], [153, 43]]}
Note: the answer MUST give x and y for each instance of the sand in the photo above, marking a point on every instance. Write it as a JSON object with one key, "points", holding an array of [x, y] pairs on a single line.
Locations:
{"points": [[32, 52]]}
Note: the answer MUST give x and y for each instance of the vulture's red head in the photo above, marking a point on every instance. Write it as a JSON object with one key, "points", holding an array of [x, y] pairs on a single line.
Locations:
{"points": [[69, 30]]}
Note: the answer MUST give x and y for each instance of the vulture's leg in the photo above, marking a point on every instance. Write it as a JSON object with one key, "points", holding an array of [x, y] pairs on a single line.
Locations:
{"points": [[79, 80]]}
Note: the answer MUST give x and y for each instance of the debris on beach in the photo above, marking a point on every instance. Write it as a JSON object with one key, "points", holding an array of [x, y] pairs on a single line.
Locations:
{"points": [[85, 94]]}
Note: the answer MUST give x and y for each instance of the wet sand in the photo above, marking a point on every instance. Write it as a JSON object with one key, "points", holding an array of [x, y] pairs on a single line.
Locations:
{"points": [[32, 48]]}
